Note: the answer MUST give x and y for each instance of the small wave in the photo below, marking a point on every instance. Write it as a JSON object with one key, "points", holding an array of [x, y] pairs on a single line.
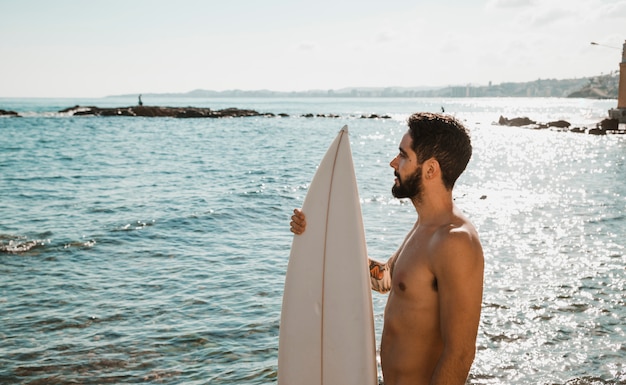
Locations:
{"points": [[137, 225], [18, 245], [11, 244], [87, 244]]}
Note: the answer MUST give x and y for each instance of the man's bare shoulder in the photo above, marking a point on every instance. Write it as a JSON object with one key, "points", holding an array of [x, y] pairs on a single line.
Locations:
{"points": [[458, 243]]}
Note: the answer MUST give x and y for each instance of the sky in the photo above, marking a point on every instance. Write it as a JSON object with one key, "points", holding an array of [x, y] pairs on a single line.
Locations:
{"points": [[71, 48]]}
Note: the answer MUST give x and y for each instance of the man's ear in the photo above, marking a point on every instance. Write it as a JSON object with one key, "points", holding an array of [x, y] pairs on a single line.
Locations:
{"points": [[431, 169]]}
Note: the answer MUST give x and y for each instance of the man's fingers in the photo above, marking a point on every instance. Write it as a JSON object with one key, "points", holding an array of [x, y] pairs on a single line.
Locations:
{"points": [[297, 222]]}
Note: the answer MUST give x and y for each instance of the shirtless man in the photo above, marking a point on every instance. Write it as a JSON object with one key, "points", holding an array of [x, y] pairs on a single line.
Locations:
{"points": [[435, 278]]}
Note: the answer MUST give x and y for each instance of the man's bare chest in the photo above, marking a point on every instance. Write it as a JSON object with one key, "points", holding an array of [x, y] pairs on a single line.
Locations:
{"points": [[412, 272]]}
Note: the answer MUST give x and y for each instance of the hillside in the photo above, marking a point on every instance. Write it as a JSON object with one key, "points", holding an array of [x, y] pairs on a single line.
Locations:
{"points": [[595, 87]]}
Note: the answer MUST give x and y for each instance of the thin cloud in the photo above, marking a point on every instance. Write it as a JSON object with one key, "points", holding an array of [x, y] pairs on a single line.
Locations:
{"points": [[386, 36], [493, 4], [306, 46], [613, 10], [550, 16]]}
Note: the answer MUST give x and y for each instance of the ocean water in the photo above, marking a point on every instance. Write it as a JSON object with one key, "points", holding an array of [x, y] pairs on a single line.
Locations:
{"points": [[154, 250]]}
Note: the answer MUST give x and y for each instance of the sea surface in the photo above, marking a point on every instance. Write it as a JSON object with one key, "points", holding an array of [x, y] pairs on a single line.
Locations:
{"points": [[154, 250]]}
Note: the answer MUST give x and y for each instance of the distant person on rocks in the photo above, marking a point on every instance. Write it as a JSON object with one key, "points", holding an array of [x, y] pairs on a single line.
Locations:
{"points": [[435, 278], [140, 102]]}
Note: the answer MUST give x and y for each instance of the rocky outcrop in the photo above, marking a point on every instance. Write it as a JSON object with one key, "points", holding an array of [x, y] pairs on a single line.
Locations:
{"points": [[189, 112], [157, 111], [609, 124], [606, 126], [515, 122], [371, 116], [559, 124], [375, 116], [310, 115], [9, 113]]}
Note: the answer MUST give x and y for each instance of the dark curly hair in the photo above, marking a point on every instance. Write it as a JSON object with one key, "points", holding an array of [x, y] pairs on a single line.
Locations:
{"points": [[444, 138]]}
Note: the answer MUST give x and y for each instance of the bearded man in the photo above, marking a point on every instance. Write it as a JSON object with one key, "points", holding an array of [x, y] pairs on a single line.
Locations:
{"points": [[435, 278]]}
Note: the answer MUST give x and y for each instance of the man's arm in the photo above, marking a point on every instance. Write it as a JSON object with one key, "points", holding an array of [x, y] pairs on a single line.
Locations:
{"points": [[458, 267], [380, 276]]}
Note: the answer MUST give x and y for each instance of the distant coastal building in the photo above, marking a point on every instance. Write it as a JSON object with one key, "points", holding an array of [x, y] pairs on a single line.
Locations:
{"points": [[619, 113]]}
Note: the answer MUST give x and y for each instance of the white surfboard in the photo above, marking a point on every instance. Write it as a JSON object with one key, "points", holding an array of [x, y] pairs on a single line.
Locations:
{"points": [[327, 325]]}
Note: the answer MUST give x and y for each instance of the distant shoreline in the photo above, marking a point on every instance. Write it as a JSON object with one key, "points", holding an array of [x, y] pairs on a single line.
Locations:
{"points": [[591, 87], [594, 87]]}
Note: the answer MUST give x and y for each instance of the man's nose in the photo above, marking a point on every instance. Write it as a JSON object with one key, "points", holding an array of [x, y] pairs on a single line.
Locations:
{"points": [[394, 162]]}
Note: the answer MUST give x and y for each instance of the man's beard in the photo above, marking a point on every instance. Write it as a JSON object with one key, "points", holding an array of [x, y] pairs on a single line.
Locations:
{"points": [[410, 188]]}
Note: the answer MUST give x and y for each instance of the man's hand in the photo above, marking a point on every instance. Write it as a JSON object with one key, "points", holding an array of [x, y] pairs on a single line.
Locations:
{"points": [[298, 223]]}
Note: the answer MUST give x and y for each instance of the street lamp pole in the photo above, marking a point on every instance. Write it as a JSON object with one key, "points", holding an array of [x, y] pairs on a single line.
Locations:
{"points": [[619, 113]]}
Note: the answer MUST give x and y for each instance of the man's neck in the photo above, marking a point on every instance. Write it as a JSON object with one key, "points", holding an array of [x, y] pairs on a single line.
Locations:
{"points": [[434, 207]]}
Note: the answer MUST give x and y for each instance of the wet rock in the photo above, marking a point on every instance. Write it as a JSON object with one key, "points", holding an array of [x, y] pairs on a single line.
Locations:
{"points": [[9, 113], [597, 131], [515, 122], [375, 116], [609, 124], [559, 124]]}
